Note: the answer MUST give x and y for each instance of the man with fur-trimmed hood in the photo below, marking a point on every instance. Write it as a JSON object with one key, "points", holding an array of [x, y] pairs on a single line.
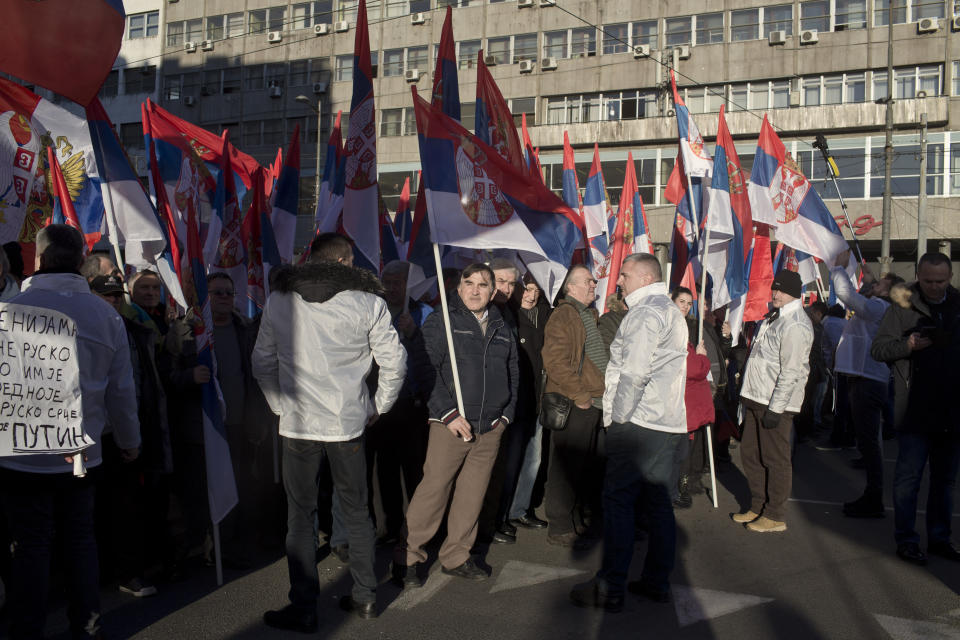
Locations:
{"points": [[320, 332]]}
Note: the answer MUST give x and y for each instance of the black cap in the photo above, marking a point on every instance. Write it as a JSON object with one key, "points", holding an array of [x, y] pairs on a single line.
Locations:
{"points": [[788, 282], [106, 285]]}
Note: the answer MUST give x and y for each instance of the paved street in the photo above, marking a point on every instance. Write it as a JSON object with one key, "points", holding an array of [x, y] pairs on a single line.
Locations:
{"points": [[826, 577]]}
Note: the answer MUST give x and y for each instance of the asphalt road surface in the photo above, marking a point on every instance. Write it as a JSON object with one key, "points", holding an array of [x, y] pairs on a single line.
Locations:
{"points": [[826, 577]]}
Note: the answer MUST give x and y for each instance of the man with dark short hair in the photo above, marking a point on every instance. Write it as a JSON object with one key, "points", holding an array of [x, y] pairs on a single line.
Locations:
{"points": [[331, 247]]}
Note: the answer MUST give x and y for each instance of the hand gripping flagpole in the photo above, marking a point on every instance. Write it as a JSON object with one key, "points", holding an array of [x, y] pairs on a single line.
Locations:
{"points": [[449, 332], [821, 144]]}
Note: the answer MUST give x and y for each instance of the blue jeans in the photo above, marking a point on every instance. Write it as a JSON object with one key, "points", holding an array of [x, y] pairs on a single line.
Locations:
{"points": [[302, 462], [531, 436], [943, 452], [640, 465], [39, 508]]}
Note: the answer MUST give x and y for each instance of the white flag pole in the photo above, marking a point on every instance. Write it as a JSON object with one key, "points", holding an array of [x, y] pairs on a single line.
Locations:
{"points": [[713, 469], [446, 324]]}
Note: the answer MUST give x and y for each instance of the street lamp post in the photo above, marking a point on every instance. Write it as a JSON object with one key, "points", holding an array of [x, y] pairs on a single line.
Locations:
{"points": [[319, 111]]}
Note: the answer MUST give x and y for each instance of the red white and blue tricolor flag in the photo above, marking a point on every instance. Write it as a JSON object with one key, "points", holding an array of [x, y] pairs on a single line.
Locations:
{"points": [[360, 202], [792, 260], [782, 197], [258, 238], [571, 188], [229, 258], [330, 202], [759, 273], [285, 198], [531, 155], [478, 200], [630, 230], [67, 46], [403, 220], [696, 158], [63, 211], [493, 121], [684, 241]]}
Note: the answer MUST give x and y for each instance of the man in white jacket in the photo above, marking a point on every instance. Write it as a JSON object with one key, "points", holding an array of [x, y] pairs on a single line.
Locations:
{"points": [[646, 420], [772, 393], [321, 330]]}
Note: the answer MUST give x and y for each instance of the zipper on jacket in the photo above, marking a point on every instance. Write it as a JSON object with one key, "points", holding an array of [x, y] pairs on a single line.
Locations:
{"points": [[483, 395]]}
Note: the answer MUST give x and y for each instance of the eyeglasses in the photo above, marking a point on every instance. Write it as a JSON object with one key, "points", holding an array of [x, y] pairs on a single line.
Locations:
{"points": [[221, 292]]}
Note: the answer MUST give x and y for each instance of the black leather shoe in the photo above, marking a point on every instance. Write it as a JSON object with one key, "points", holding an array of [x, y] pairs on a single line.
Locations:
{"points": [[587, 594], [365, 610], [640, 588], [467, 570], [342, 552], [502, 537], [529, 521], [910, 552], [869, 505], [291, 618], [508, 529], [944, 550], [406, 576]]}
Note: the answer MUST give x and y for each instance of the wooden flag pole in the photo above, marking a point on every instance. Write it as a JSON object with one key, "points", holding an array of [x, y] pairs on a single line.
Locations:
{"points": [[446, 325]]}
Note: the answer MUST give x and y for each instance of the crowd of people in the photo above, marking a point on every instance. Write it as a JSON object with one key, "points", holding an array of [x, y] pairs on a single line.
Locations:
{"points": [[343, 402]]}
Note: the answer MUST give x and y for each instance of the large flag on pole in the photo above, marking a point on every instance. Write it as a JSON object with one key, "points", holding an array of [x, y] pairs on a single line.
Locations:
{"points": [[403, 219], [67, 46], [629, 232], [63, 211], [286, 195], [571, 187], [760, 274], [696, 158], [229, 258], [478, 200], [532, 157], [781, 196], [360, 202], [730, 222], [683, 240], [493, 121], [258, 238], [330, 202], [446, 91]]}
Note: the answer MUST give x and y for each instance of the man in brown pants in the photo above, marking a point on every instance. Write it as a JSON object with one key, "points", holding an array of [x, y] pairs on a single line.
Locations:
{"points": [[462, 447], [772, 393]]}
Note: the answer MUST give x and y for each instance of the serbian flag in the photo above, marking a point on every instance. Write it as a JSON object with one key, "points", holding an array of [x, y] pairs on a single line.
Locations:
{"points": [[403, 220], [782, 197], [696, 159], [532, 157], [571, 188], [26, 121], [792, 260], [446, 90], [685, 194], [66, 46], [330, 202], [629, 232], [283, 201], [360, 195], [137, 223], [760, 274], [229, 258], [169, 265], [63, 211], [273, 174], [261, 245], [221, 485], [478, 200], [730, 222], [493, 121]]}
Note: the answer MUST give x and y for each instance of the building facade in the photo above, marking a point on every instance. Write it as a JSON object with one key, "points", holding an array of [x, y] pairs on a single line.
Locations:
{"points": [[597, 69]]}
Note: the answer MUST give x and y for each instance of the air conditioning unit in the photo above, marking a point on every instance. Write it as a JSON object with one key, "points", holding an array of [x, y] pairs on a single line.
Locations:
{"points": [[955, 23], [321, 29], [276, 92], [548, 3], [794, 98], [319, 87], [928, 25], [411, 75], [490, 61], [275, 36], [548, 64], [809, 36], [526, 66], [777, 37], [190, 47], [341, 26], [921, 94], [524, 4], [189, 101], [683, 51], [641, 51], [417, 18], [206, 45]]}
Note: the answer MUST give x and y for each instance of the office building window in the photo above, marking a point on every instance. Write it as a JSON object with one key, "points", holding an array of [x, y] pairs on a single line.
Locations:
{"points": [[467, 53], [320, 69], [142, 80], [744, 25], [644, 32], [616, 38], [131, 136], [811, 92], [525, 47], [253, 77], [468, 115], [499, 48], [143, 25], [850, 14], [678, 31], [299, 73], [392, 63], [956, 80], [175, 33], [172, 87], [881, 12], [927, 9], [343, 68], [737, 99], [276, 74], [778, 18], [583, 42], [234, 25], [709, 28], [815, 15], [409, 121], [261, 20], [346, 10], [555, 44], [211, 82], [855, 87], [308, 14], [111, 86], [273, 132], [251, 133], [417, 58], [215, 27], [391, 122], [906, 170], [231, 80], [521, 106]]}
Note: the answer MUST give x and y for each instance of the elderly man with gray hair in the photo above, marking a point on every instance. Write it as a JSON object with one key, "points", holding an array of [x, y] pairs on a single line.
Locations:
{"points": [[645, 419]]}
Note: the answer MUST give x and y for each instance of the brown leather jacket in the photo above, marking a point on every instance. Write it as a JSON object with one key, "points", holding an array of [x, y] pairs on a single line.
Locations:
{"points": [[563, 341]]}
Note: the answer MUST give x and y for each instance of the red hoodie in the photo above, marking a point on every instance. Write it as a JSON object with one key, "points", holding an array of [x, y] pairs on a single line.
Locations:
{"points": [[698, 397]]}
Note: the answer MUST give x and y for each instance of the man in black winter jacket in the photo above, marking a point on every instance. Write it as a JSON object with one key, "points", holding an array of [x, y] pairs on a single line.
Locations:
{"points": [[462, 447]]}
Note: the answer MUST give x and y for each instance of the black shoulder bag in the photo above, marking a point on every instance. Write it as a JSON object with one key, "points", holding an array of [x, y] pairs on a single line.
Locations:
{"points": [[555, 407]]}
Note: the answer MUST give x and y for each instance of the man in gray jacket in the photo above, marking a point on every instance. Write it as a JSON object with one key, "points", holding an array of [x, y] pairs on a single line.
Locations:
{"points": [[772, 393], [320, 332], [645, 418]]}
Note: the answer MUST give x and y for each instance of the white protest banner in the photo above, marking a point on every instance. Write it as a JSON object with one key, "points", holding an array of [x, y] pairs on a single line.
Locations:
{"points": [[40, 404]]}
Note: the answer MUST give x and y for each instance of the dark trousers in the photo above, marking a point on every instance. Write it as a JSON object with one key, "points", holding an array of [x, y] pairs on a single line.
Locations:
{"points": [[190, 488], [38, 507], [640, 465], [867, 401], [120, 514], [302, 463], [574, 454], [943, 451], [765, 454], [503, 477], [842, 433], [396, 447]]}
